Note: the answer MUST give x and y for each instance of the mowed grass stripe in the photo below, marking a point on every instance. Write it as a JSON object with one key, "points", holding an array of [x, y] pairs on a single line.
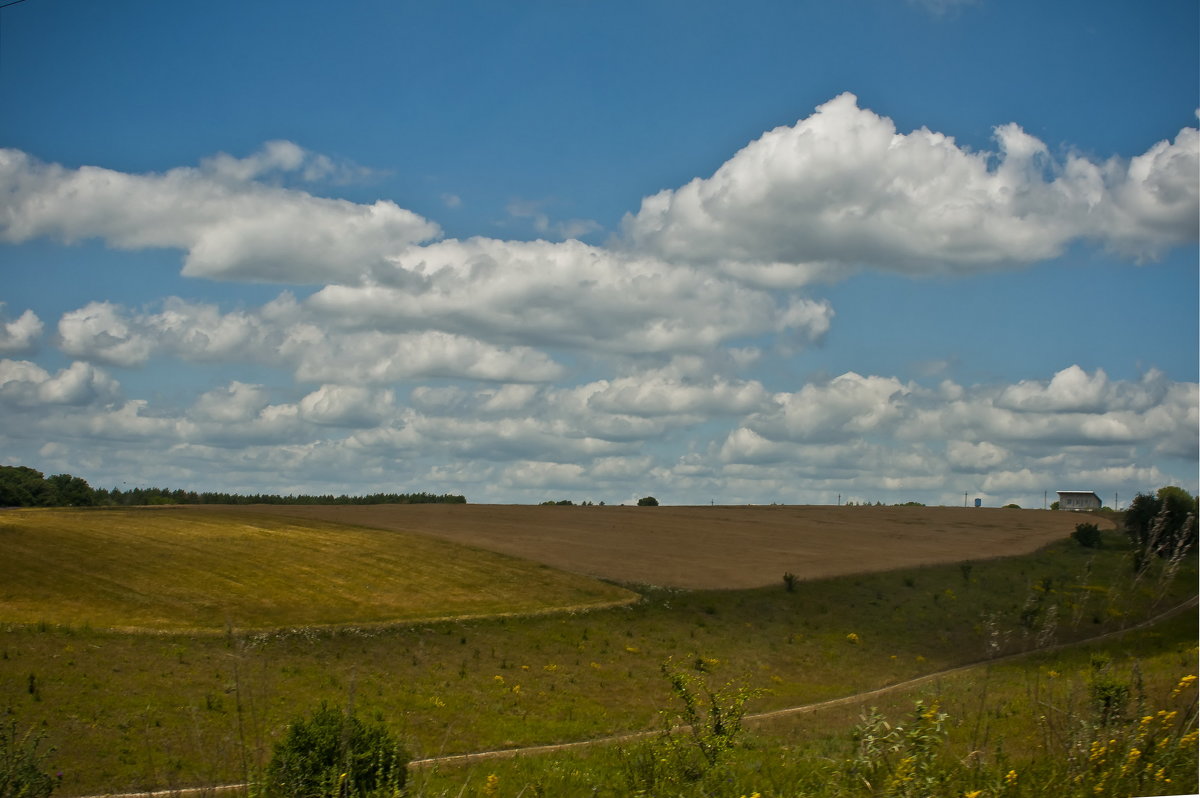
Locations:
{"points": [[174, 570]]}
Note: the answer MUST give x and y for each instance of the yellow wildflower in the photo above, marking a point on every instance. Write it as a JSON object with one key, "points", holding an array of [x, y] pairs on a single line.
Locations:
{"points": [[973, 794], [1010, 778], [852, 638], [492, 784], [1184, 683], [904, 771]]}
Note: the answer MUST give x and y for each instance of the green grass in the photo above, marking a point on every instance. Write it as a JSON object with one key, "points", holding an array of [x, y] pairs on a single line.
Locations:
{"points": [[181, 570], [1031, 717], [132, 712]]}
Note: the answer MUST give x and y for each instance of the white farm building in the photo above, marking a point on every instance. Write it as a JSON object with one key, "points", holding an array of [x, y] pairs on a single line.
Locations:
{"points": [[1078, 500]]}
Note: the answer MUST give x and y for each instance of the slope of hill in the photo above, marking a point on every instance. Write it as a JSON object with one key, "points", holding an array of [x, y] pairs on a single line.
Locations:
{"points": [[720, 547], [172, 569]]}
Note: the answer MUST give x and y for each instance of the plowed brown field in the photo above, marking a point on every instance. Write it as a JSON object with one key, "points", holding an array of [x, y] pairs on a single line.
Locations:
{"points": [[718, 547]]}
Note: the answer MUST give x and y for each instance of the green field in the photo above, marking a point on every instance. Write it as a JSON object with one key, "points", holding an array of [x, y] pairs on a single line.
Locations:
{"points": [[135, 711], [176, 569], [1023, 728]]}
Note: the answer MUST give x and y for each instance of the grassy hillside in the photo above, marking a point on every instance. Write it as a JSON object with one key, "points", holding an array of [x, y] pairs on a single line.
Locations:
{"points": [[171, 569], [133, 712], [1024, 728]]}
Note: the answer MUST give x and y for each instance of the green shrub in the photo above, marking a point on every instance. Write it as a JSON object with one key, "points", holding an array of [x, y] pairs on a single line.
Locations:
{"points": [[1087, 535], [333, 753], [694, 740], [21, 774], [897, 759]]}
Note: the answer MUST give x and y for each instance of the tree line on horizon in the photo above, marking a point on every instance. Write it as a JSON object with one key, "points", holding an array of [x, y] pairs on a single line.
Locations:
{"points": [[21, 486]]}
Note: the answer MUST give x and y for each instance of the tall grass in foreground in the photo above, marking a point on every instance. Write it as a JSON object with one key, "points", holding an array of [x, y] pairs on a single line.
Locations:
{"points": [[1102, 729]]}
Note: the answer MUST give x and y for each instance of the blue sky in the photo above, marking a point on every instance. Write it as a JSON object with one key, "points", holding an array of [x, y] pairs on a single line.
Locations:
{"points": [[876, 249]]}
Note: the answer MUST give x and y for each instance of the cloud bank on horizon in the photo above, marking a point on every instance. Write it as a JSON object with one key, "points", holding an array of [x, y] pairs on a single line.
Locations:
{"points": [[375, 352]]}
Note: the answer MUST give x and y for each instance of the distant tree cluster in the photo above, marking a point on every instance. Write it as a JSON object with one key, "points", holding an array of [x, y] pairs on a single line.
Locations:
{"points": [[21, 486], [25, 487]]}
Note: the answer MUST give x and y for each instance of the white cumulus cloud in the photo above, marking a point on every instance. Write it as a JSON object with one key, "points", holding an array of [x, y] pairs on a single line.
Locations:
{"points": [[99, 331], [25, 384], [20, 335], [347, 406], [570, 294], [288, 335], [229, 225], [843, 188]]}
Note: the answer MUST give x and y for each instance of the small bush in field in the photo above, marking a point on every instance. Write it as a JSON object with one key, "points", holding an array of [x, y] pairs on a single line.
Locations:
{"points": [[1087, 535], [21, 773], [333, 753], [901, 759], [696, 738]]}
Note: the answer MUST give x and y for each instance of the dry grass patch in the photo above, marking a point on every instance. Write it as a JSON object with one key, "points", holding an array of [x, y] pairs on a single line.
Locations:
{"points": [[177, 569]]}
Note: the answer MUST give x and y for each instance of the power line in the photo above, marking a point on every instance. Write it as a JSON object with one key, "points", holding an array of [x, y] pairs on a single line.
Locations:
{"points": [[2, 7]]}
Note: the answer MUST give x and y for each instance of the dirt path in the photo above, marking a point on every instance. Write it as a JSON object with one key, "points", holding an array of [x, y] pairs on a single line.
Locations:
{"points": [[866, 695], [805, 709]]}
